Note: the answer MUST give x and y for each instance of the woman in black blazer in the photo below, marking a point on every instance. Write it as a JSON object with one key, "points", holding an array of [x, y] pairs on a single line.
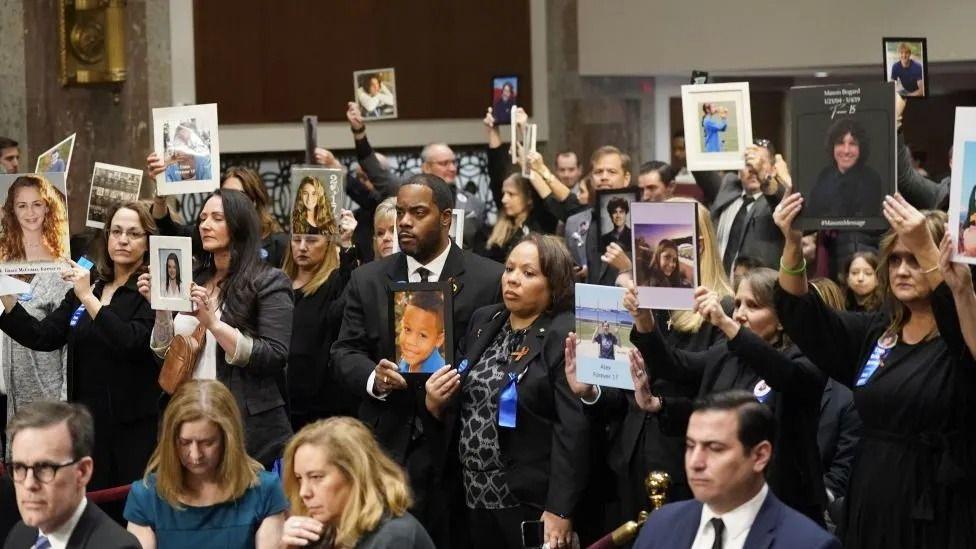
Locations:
{"points": [[106, 328], [521, 432], [246, 306], [757, 357]]}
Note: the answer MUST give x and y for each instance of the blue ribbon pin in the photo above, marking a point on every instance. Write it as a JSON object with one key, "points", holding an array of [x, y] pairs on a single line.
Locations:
{"points": [[76, 315], [508, 403]]}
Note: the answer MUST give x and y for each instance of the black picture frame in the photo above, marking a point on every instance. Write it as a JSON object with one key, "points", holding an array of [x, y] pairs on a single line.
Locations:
{"points": [[398, 294], [503, 117], [925, 61], [830, 199], [698, 77], [601, 218]]}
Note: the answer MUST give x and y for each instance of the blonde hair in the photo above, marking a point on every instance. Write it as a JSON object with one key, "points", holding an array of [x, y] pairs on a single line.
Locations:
{"points": [[506, 227], [329, 264], [935, 221], [830, 292], [384, 209], [325, 223], [377, 484], [710, 270], [193, 401]]}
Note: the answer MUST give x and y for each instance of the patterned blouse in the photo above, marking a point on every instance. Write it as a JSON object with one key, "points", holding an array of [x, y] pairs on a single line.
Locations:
{"points": [[481, 458]]}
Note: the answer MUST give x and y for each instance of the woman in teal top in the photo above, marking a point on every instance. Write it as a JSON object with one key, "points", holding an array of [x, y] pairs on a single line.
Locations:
{"points": [[201, 489]]}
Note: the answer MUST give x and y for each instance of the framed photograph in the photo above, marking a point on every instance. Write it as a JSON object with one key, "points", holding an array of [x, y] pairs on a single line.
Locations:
{"points": [[422, 326], [603, 336], [310, 125], [698, 77], [457, 226], [57, 158], [504, 96], [962, 190], [718, 125], [317, 198], [527, 137], [170, 267], [39, 224], [613, 219], [110, 185], [375, 93], [665, 256], [186, 139], [906, 63], [843, 154]]}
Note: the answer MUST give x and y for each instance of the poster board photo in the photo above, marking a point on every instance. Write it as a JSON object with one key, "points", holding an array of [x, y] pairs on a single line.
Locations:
{"points": [[665, 256], [170, 269], [317, 198], [35, 239], [603, 336], [906, 64], [375, 92], [187, 141], [843, 154], [421, 322], [57, 158], [110, 185], [962, 187], [717, 125]]}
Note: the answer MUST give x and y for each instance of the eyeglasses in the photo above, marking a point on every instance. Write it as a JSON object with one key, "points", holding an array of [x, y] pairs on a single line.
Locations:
{"points": [[44, 472], [131, 234]]}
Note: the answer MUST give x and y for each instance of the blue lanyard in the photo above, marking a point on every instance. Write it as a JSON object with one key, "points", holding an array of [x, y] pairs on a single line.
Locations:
{"points": [[508, 402], [76, 315], [880, 352]]}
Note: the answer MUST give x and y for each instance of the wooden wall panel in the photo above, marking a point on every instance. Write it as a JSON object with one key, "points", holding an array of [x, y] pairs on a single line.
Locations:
{"points": [[276, 61]]}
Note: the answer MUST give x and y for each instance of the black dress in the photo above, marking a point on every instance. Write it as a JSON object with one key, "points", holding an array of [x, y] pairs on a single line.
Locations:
{"points": [[912, 483]]}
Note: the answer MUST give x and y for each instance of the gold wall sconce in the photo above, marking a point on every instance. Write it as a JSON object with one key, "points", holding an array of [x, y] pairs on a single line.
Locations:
{"points": [[92, 42]]}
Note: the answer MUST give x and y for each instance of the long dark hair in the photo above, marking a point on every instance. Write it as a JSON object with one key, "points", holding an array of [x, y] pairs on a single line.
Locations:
{"points": [[238, 290], [176, 259], [656, 274]]}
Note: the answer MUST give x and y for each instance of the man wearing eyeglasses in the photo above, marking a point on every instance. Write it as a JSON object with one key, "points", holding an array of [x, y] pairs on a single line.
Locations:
{"points": [[438, 159], [51, 446]]}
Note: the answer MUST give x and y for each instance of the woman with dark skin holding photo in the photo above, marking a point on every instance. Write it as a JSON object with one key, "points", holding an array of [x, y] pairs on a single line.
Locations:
{"points": [[912, 371], [106, 328], [246, 307], [523, 437]]}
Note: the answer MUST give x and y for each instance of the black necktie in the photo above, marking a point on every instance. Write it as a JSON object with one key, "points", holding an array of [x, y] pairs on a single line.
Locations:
{"points": [[719, 528], [424, 274], [735, 233]]}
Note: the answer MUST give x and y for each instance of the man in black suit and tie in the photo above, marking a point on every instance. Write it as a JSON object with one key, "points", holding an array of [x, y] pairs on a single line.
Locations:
{"points": [[51, 447], [727, 450], [393, 404]]}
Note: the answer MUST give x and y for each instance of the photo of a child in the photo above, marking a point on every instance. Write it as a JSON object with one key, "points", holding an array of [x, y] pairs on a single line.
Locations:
{"points": [[420, 331]]}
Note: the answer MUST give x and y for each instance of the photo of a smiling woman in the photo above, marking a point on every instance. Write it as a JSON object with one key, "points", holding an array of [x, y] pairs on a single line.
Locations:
{"points": [[847, 187], [312, 213], [173, 287], [34, 226], [664, 267]]}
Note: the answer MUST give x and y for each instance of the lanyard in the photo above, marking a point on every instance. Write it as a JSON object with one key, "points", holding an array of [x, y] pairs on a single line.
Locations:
{"points": [[876, 360], [76, 315], [508, 402]]}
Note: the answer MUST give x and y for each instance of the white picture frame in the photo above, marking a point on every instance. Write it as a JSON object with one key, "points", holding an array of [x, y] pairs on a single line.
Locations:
{"points": [[731, 98], [962, 187], [381, 105], [110, 185], [164, 296], [187, 140], [64, 150]]}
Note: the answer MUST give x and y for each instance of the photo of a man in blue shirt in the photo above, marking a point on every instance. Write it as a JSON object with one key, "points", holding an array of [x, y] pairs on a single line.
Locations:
{"points": [[907, 73]]}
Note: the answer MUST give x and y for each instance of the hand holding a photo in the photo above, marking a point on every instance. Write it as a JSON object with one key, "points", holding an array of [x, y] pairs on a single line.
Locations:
{"points": [[494, 136], [441, 387], [782, 173], [709, 306], [643, 318], [326, 158], [388, 378], [347, 225], [154, 165], [355, 118], [957, 276], [757, 161], [203, 305], [143, 285], [645, 400], [616, 257], [900, 105], [785, 214], [80, 278], [581, 390]]}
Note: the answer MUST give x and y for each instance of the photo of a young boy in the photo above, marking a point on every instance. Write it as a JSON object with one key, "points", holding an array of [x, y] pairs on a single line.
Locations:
{"points": [[421, 335]]}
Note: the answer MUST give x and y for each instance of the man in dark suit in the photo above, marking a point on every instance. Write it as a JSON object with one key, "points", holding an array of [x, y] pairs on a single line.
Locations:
{"points": [[51, 447], [393, 404], [727, 450], [610, 169]]}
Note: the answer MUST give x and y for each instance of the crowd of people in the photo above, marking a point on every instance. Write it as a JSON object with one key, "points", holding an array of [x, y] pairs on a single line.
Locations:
{"points": [[820, 386]]}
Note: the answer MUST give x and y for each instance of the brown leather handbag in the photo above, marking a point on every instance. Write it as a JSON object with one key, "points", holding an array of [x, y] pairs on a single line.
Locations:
{"points": [[181, 359]]}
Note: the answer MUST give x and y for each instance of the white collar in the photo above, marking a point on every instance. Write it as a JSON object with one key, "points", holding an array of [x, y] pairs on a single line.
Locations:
{"points": [[61, 535], [737, 521], [435, 266]]}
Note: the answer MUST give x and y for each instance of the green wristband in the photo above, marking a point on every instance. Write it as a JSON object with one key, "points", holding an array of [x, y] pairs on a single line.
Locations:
{"points": [[795, 272]]}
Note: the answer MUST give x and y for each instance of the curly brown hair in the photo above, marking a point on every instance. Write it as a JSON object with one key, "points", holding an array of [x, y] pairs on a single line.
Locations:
{"points": [[55, 224], [325, 222]]}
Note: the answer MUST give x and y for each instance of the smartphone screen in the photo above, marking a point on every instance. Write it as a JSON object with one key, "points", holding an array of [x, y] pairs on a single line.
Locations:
{"points": [[533, 532]]}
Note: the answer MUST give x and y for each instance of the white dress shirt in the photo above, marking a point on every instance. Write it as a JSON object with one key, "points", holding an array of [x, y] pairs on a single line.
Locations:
{"points": [[59, 537], [737, 522], [436, 266]]}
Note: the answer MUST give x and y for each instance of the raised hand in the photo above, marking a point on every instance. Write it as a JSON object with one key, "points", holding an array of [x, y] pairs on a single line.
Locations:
{"points": [[355, 117], [645, 400], [785, 214], [582, 390], [643, 318]]}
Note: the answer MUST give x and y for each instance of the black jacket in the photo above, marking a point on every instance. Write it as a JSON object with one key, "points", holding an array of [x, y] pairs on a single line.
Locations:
{"points": [[385, 184], [110, 366], [838, 436], [95, 529], [546, 455]]}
